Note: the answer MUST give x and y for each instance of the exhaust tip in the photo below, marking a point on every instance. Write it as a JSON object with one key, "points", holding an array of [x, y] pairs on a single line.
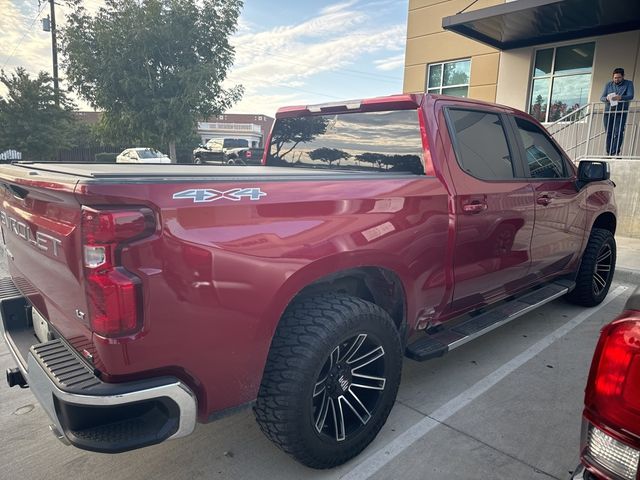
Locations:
{"points": [[15, 377]]}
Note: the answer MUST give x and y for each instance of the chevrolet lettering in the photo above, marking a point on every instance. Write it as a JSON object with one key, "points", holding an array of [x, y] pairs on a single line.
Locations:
{"points": [[40, 240]]}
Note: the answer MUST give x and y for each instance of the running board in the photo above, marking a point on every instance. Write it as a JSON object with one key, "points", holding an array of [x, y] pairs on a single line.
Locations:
{"points": [[437, 344]]}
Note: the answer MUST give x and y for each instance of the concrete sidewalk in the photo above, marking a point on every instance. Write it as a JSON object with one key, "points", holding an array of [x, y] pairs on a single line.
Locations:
{"points": [[628, 260]]}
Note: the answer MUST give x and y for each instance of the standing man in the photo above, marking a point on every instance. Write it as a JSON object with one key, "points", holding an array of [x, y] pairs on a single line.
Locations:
{"points": [[616, 95]]}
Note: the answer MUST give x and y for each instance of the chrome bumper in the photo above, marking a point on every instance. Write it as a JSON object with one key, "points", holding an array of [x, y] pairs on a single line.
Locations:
{"points": [[73, 396]]}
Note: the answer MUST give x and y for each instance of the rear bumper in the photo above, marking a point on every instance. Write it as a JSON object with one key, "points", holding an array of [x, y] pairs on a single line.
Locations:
{"points": [[89, 413]]}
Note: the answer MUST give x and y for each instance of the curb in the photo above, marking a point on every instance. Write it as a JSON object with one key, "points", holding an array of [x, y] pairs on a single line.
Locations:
{"points": [[627, 275]]}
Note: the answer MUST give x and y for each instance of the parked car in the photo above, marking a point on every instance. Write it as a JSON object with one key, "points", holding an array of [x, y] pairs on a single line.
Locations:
{"points": [[388, 227], [210, 152], [610, 446], [228, 151], [142, 155]]}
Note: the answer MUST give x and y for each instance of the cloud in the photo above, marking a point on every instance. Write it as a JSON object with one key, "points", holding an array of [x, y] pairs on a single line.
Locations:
{"points": [[341, 44], [23, 41], [390, 63], [289, 56], [337, 7]]}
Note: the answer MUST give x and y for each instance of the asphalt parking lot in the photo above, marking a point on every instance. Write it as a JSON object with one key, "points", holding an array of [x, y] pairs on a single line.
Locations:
{"points": [[506, 406]]}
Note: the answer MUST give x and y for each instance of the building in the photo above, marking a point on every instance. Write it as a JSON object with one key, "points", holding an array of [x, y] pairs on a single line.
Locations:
{"points": [[546, 57], [550, 58], [253, 128]]}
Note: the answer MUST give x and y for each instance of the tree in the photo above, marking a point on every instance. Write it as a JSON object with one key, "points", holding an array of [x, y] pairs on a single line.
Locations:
{"points": [[328, 155], [539, 109], [378, 159], [30, 120], [297, 130], [153, 66]]}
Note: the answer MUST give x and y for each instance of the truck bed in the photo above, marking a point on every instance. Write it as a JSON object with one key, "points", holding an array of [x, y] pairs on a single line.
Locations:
{"points": [[132, 172]]}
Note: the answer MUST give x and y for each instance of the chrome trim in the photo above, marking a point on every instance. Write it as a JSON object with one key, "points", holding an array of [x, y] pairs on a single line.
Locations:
{"points": [[44, 389], [513, 316]]}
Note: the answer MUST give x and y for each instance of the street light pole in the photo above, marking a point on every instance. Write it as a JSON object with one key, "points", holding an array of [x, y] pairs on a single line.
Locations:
{"points": [[54, 51]]}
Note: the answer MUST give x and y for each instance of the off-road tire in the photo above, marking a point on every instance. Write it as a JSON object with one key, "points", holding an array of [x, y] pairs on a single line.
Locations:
{"points": [[596, 269], [301, 354]]}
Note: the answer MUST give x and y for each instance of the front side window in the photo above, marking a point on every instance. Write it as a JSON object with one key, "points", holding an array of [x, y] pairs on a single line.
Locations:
{"points": [[449, 78], [561, 81], [481, 144], [368, 142], [543, 158]]}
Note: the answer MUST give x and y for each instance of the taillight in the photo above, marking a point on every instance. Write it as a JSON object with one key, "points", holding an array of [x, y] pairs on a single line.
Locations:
{"points": [[614, 390], [113, 293], [612, 399]]}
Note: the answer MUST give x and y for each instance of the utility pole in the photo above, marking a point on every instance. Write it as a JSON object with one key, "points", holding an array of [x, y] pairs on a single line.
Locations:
{"points": [[54, 51]]}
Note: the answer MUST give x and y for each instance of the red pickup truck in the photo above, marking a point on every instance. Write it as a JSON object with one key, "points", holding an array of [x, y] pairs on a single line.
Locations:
{"points": [[143, 300]]}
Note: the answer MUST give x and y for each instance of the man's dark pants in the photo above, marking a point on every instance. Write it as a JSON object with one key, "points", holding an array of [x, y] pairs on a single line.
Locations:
{"points": [[614, 123]]}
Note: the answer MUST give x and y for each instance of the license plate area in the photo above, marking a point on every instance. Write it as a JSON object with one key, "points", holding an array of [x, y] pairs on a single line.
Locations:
{"points": [[40, 326]]}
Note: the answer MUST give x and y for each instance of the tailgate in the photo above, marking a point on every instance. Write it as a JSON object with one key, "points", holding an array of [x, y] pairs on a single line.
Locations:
{"points": [[40, 220]]}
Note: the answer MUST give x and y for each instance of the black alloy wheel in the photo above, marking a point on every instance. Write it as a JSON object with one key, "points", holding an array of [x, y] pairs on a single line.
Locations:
{"points": [[596, 270], [331, 378]]}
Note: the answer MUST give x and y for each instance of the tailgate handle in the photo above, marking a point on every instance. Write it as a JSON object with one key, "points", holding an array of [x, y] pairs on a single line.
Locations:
{"points": [[18, 192]]}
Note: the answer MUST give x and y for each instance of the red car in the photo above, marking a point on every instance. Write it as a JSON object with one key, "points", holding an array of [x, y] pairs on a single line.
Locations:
{"points": [[610, 447]]}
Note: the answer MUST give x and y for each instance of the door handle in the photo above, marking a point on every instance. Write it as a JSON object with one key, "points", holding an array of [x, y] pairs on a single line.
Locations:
{"points": [[544, 200], [474, 207]]}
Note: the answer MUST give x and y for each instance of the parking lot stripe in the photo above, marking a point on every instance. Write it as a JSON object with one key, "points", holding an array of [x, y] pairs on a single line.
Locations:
{"points": [[372, 464]]}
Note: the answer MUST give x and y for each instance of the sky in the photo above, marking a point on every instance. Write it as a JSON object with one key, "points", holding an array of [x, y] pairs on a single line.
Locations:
{"points": [[288, 52]]}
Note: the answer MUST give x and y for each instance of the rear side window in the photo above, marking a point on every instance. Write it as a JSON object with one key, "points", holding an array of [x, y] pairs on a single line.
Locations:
{"points": [[481, 144], [369, 142], [543, 158]]}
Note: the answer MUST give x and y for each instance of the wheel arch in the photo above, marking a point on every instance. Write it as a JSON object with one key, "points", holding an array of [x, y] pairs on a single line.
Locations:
{"points": [[607, 221], [380, 282], [374, 284]]}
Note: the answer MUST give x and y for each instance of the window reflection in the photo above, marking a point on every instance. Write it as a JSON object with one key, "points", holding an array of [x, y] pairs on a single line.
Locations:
{"points": [[543, 158], [561, 81], [373, 141]]}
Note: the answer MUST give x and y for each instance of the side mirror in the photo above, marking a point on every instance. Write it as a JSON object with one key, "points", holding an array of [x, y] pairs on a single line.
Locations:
{"points": [[592, 171]]}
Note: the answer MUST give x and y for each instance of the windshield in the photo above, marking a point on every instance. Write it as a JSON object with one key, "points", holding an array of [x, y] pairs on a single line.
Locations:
{"points": [[372, 141], [149, 153]]}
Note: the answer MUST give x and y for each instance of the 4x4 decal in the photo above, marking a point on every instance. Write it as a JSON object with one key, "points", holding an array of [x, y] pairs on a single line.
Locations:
{"points": [[201, 195]]}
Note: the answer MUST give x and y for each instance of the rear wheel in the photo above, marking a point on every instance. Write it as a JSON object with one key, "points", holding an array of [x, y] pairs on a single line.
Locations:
{"points": [[331, 378], [596, 269], [198, 161]]}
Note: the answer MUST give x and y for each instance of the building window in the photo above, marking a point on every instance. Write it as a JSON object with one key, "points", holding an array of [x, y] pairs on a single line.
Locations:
{"points": [[561, 81], [449, 78]]}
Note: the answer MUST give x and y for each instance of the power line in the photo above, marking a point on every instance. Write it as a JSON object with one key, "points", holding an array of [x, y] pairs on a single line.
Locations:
{"points": [[44, 4]]}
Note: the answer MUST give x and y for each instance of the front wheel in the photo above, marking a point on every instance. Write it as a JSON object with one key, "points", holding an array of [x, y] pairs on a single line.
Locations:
{"points": [[331, 378], [596, 269]]}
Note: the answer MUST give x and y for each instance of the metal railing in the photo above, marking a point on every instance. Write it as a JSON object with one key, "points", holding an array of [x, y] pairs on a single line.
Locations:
{"points": [[233, 127], [592, 131]]}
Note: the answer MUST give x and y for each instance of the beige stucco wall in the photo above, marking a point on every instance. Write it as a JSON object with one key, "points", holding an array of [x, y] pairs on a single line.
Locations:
{"points": [[428, 43], [617, 50]]}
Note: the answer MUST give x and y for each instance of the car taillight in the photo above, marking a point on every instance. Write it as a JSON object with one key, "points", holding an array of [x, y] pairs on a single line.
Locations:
{"points": [[113, 293], [612, 399]]}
